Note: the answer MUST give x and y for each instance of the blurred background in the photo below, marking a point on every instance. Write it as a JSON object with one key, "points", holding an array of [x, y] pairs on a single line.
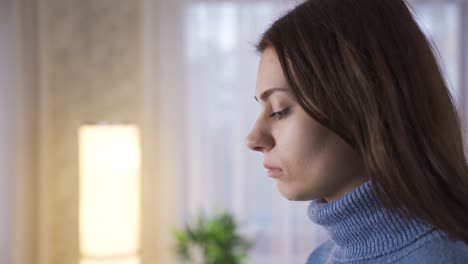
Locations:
{"points": [[181, 74]]}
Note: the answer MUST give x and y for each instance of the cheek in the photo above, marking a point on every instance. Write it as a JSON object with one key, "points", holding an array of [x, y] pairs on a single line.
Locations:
{"points": [[317, 162], [304, 140], [309, 154]]}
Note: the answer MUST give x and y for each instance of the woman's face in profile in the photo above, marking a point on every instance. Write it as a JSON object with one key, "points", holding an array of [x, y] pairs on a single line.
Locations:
{"points": [[307, 160]]}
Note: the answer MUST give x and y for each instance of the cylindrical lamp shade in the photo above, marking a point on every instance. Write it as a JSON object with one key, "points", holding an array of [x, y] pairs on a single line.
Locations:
{"points": [[118, 260], [109, 194]]}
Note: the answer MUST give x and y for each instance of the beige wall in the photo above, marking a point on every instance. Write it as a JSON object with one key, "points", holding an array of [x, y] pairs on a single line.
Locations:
{"points": [[90, 72]]}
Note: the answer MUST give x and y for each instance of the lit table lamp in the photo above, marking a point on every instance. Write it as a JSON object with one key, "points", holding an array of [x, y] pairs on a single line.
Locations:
{"points": [[109, 202]]}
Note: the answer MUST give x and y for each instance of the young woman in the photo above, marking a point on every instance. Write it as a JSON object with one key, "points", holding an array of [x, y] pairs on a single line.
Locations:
{"points": [[357, 118]]}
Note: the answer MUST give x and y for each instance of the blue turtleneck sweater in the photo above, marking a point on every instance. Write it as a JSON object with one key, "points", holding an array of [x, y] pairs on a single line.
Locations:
{"points": [[363, 231]]}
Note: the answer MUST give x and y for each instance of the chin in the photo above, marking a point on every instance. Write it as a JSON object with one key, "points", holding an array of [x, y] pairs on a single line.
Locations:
{"points": [[295, 194]]}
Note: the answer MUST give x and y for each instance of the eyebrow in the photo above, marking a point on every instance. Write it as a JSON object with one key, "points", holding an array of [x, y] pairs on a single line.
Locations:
{"points": [[266, 94]]}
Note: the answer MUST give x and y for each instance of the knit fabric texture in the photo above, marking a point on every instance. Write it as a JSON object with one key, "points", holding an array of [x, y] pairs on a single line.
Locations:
{"points": [[363, 231]]}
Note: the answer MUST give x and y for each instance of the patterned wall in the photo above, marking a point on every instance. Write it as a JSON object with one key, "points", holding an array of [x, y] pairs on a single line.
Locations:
{"points": [[90, 68]]}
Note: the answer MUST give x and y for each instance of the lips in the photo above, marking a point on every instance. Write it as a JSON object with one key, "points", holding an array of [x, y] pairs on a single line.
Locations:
{"points": [[273, 171]]}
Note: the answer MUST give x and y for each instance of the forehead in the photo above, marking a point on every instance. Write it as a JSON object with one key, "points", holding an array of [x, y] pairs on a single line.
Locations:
{"points": [[269, 73]]}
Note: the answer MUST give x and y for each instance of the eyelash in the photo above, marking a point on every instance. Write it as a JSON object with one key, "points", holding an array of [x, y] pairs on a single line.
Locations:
{"points": [[280, 114]]}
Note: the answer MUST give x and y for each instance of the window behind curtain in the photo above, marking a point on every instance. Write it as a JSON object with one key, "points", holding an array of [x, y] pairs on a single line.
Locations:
{"points": [[441, 22], [220, 70]]}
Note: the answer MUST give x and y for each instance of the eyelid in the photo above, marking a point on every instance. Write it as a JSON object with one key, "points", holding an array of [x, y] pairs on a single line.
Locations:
{"points": [[283, 113]]}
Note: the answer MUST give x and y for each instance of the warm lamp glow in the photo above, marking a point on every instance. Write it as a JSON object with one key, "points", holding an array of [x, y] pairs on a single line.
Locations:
{"points": [[109, 194]]}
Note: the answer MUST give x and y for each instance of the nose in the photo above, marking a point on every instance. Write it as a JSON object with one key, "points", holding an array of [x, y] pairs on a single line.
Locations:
{"points": [[259, 139]]}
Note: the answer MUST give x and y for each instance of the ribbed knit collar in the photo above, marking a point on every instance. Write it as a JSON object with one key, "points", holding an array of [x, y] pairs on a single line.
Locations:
{"points": [[362, 228]]}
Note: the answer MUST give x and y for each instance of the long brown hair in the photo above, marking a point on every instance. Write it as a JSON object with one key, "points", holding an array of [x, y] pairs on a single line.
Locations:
{"points": [[364, 69]]}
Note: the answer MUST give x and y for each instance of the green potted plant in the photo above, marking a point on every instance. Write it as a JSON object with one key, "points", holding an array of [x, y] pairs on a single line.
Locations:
{"points": [[213, 240]]}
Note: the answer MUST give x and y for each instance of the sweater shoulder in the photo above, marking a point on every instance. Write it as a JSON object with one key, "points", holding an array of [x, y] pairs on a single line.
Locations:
{"points": [[439, 250], [321, 253]]}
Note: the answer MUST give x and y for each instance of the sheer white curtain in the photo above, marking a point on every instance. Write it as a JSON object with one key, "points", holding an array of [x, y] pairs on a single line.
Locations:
{"points": [[18, 130], [5, 135], [441, 21], [204, 81]]}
